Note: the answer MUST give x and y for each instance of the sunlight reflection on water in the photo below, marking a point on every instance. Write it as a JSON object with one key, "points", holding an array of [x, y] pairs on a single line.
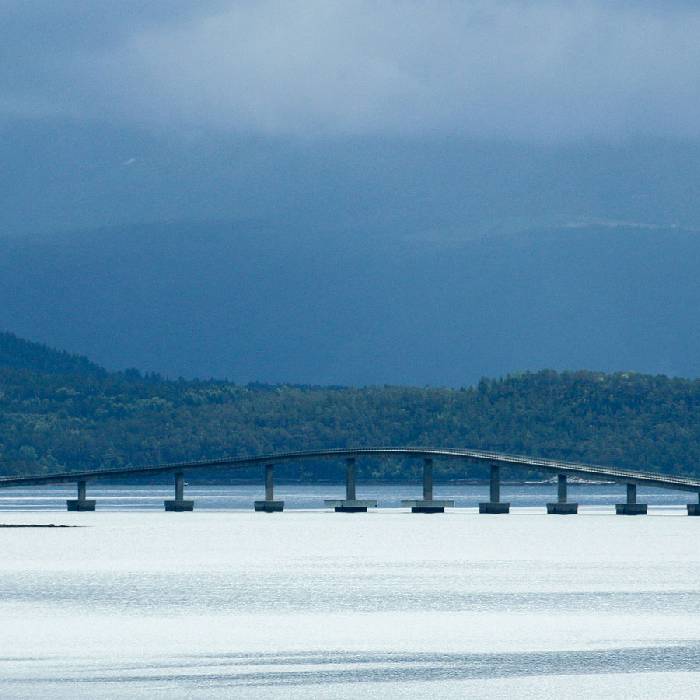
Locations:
{"points": [[310, 603]]}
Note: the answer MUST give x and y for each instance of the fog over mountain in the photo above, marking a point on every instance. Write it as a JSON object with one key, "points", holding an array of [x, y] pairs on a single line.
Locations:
{"points": [[352, 192]]}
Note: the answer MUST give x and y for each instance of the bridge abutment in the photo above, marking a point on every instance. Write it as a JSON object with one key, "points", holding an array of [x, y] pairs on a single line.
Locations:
{"points": [[694, 508], [350, 504], [428, 504], [81, 503], [562, 506], [494, 505], [631, 507], [269, 505], [179, 504]]}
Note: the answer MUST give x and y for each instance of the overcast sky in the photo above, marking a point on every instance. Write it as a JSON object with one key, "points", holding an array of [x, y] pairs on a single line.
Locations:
{"points": [[539, 70], [182, 178]]}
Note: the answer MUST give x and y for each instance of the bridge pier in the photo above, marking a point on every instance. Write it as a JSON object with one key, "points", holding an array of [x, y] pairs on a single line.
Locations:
{"points": [[269, 505], [631, 507], [179, 505], [350, 504], [694, 508], [428, 504], [494, 505], [81, 503], [562, 506]]}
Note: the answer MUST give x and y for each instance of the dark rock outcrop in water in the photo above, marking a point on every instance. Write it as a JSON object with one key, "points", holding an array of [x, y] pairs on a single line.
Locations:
{"points": [[49, 525]]}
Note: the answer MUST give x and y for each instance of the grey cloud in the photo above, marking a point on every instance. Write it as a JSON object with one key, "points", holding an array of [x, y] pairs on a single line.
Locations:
{"points": [[525, 70], [48, 26]]}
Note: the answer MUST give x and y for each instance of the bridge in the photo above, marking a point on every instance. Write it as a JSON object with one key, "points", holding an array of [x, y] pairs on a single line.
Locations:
{"points": [[427, 504]]}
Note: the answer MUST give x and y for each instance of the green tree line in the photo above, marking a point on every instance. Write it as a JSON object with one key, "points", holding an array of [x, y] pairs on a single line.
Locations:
{"points": [[62, 412]]}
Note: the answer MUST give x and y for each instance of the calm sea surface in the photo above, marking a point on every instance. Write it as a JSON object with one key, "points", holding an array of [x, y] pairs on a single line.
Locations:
{"points": [[224, 602]]}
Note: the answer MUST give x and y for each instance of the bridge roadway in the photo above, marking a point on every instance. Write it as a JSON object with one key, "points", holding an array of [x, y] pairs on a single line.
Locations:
{"points": [[680, 483]]}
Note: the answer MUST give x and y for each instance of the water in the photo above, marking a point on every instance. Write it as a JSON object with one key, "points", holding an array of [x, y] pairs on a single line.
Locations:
{"points": [[301, 496], [313, 604]]}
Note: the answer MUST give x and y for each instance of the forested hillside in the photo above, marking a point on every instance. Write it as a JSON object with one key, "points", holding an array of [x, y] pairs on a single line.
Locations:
{"points": [[59, 411]]}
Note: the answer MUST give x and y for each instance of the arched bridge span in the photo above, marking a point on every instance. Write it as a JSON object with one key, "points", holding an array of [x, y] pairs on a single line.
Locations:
{"points": [[496, 460], [580, 469]]}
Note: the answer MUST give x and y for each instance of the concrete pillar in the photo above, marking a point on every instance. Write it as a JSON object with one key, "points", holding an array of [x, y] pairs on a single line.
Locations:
{"points": [[631, 507], [427, 479], [81, 503], [428, 504], [269, 484], [494, 505], [561, 488], [269, 505], [179, 486], [350, 504], [561, 507], [495, 484], [350, 493], [179, 504]]}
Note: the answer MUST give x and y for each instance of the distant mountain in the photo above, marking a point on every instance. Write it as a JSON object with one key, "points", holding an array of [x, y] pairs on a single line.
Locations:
{"points": [[17, 353], [250, 301], [60, 412]]}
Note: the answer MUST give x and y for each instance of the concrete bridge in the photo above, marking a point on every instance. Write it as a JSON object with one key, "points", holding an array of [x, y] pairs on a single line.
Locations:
{"points": [[426, 504]]}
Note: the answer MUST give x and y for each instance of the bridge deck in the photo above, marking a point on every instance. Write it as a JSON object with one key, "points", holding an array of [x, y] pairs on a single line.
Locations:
{"points": [[516, 461]]}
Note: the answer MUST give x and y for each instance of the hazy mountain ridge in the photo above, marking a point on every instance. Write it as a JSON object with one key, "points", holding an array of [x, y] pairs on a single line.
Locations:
{"points": [[19, 354]]}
